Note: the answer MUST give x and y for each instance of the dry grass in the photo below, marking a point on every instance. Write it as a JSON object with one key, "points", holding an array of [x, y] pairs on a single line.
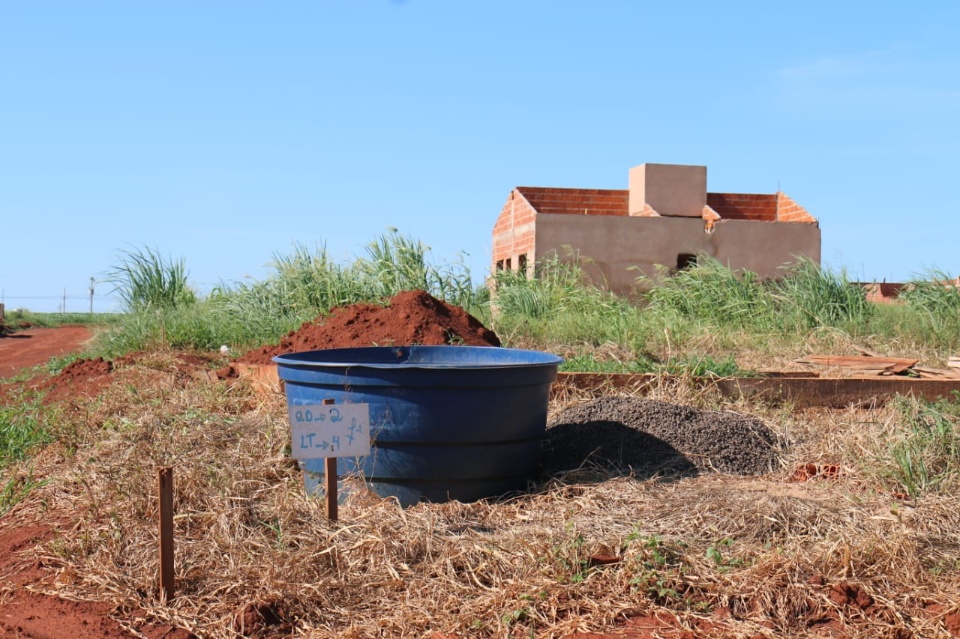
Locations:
{"points": [[764, 550]]}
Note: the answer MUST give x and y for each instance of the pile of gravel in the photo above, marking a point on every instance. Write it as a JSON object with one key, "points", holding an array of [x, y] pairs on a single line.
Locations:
{"points": [[647, 437]]}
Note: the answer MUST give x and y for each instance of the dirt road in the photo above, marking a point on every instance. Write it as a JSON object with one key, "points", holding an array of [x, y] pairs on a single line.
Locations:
{"points": [[37, 345]]}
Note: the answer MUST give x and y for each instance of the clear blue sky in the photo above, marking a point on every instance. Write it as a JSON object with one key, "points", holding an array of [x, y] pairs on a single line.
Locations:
{"points": [[222, 132]]}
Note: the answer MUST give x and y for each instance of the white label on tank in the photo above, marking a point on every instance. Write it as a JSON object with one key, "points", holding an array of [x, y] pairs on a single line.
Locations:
{"points": [[329, 430]]}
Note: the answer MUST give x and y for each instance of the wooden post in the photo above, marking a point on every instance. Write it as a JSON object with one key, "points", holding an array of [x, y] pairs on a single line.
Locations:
{"points": [[330, 481], [165, 487]]}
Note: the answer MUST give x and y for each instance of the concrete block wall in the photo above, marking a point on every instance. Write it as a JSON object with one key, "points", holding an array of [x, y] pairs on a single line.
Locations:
{"points": [[674, 190]]}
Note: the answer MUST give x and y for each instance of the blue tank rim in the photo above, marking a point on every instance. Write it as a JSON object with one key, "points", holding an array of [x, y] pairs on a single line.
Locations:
{"points": [[419, 357]]}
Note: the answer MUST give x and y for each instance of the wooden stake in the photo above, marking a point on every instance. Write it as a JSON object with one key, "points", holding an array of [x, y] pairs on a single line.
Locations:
{"points": [[330, 481], [165, 486]]}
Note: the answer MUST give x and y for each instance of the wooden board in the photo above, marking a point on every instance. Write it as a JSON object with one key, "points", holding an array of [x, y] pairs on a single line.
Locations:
{"points": [[862, 363]]}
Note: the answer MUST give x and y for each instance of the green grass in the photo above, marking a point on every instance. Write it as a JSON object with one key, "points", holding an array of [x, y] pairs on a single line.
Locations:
{"points": [[15, 489], [24, 425], [304, 284], [700, 320], [559, 306], [934, 306], [703, 365], [806, 297], [53, 320], [144, 279], [588, 363], [927, 456]]}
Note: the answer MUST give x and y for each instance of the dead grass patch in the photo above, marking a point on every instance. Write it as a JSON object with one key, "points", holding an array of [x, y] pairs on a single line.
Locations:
{"points": [[255, 555]]}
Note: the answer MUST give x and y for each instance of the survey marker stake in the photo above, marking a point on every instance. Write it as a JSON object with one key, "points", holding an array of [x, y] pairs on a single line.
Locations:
{"points": [[165, 490], [330, 481]]}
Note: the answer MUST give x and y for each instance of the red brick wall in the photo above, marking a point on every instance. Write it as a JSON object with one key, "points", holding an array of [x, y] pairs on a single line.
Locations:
{"points": [[744, 206], [513, 233], [882, 292], [789, 211], [577, 201]]}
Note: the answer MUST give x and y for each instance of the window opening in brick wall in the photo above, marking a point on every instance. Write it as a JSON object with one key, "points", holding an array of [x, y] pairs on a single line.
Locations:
{"points": [[522, 263], [686, 260], [499, 265], [509, 265]]}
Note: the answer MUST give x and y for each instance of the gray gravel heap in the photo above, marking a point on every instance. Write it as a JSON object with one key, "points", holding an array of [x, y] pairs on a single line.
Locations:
{"points": [[648, 437]]}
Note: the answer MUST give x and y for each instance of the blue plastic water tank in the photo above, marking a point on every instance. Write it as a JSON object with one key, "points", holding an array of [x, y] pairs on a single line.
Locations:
{"points": [[447, 422]]}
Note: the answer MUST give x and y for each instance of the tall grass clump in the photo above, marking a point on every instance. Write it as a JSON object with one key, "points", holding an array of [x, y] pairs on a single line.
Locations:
{"points": [[205, 325], [396, 263], [557, 303], [304, 284], [935, 298], [927, 457], [813, 296], [144, 279], [307, 283], [710, 293]]}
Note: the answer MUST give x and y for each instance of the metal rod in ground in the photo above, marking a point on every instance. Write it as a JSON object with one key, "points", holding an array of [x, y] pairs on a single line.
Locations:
{"points": [[165, 486], [330, 482]]}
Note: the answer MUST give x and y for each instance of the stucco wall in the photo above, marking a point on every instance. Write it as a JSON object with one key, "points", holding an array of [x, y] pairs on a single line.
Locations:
{"points": [[615, 244]]}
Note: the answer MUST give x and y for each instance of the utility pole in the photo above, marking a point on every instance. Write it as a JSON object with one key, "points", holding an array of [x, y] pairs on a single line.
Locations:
{"points": [[91, 295], [63, 309]]}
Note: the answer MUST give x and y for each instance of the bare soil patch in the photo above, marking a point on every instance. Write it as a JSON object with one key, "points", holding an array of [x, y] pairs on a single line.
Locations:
{"points": [[27, 612], [82, 378], [35, 346]]}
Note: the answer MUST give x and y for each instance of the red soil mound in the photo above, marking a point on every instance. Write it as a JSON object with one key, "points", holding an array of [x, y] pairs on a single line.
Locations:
{"points": [[82, 377], [411, 317]]}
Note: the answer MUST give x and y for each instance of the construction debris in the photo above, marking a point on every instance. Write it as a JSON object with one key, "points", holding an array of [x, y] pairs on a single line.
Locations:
{"points": [[870, 365]]}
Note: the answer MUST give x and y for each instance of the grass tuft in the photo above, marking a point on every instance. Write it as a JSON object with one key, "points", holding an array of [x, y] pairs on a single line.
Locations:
{"points": [[145, 280]]}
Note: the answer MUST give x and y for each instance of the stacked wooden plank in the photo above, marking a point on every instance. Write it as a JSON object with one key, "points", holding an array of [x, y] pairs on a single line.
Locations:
{"points": [[869, 365]]}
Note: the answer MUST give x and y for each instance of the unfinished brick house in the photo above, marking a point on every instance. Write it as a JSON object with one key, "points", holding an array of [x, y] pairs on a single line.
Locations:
{"points": [[666, 218]]}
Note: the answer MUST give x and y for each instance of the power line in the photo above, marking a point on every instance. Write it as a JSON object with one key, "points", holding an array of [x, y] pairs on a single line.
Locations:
{"points": [[56, 297]]}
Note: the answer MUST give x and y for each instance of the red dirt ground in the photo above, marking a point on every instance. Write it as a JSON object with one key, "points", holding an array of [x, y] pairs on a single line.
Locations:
{"points": [[25, 613], [37, 345]]}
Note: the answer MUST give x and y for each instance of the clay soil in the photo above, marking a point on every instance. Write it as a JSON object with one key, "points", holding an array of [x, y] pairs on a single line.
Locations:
{"points": [[410, 317], [27, 613], [34, 346]]}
